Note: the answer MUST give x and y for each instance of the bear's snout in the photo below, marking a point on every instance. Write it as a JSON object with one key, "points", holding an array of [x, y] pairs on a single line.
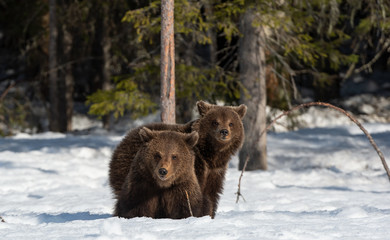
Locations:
{"points": [[224, 135], [224, 132], [163, 171]]}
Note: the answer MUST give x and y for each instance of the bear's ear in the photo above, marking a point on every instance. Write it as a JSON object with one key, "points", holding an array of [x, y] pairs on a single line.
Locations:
{"points": [[203, 107], [241, 110], [191, 138], [146, 134]]}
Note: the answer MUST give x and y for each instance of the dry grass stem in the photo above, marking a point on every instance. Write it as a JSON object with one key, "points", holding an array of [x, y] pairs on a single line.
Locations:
{"points": [[189, 204]]}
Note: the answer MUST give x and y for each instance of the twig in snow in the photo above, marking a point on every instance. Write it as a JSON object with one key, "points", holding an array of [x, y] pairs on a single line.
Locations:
{"points": [[189, 204], [2, 219], [238, 193]]}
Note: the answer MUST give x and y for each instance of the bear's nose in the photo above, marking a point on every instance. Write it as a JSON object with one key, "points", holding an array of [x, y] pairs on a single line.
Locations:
{"points": [[224, 132], [163, 171]]}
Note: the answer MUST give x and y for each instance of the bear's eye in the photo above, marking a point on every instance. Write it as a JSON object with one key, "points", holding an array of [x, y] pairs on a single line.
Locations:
{"points": [[230, 124], [215, 123], [174, 157], [157, 156]]}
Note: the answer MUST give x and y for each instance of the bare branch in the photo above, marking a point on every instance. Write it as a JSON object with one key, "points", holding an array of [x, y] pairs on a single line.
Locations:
{"points": [[368, 65], [368, 135], [238, 193], [66, 64], [10, 85]]}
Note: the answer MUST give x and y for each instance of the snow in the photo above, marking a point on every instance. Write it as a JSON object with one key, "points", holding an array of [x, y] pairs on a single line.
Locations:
{"points": [[322, 183]]}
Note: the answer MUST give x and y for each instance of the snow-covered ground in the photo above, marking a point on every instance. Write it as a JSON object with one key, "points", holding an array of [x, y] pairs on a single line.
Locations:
{"points": [[322, 183]]}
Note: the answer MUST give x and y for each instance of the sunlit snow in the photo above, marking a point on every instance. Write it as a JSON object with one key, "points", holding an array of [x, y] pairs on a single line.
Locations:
{"points": [[322, 183]]}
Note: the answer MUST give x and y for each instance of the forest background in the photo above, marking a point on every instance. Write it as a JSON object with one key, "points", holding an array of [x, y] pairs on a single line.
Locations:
{"points": [[106, 56]]}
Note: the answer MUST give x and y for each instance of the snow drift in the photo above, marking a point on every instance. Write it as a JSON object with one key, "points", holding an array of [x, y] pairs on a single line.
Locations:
{"points": [[323, 183]]}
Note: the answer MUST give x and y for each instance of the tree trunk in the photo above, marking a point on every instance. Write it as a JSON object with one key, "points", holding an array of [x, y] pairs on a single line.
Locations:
{"points": [[66, 82], [54, 124], [101, 52], [60, 73], [106, 45], [167, 63], [252, 75]]}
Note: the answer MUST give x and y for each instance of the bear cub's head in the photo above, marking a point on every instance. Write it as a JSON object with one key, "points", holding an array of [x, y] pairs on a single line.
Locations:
{"points": [[168, 155], [222, 123]]}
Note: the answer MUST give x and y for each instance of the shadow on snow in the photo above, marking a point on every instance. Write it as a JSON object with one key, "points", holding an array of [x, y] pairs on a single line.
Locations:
{"points": [[53, 144], [11, 165], [69, 217]]}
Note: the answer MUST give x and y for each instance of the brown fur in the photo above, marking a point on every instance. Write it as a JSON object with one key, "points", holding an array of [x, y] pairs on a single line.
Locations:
{"points": [[213, 150], [148, 192], [221, 135], [126, 150]]}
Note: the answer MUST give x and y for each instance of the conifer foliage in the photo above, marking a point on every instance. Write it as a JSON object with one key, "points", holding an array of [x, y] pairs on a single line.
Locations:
{"points": [[108, 53]]}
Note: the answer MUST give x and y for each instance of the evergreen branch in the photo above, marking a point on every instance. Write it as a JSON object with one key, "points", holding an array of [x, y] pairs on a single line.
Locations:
{"points": [[280, 58], [229, 55], [283, 80]]}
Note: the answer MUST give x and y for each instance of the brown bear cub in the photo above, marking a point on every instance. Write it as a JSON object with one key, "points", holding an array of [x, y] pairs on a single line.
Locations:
{"points": [[160, 176], [125, 153], [221, 135]]}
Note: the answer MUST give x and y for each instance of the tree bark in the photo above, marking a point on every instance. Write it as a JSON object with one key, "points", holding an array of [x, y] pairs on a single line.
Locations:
{"points": [[60, 73], [66, 82], [167, 63], [54, 124], [101, 51], [106, 73], [252, 75]]}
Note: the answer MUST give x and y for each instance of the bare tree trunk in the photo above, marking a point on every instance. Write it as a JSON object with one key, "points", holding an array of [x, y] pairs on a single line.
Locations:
{"points": [[54, 124], [106, 73], [61, 79], [67, 82], [167, 63], [65, 79], [101, 51], [252, 75]]}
